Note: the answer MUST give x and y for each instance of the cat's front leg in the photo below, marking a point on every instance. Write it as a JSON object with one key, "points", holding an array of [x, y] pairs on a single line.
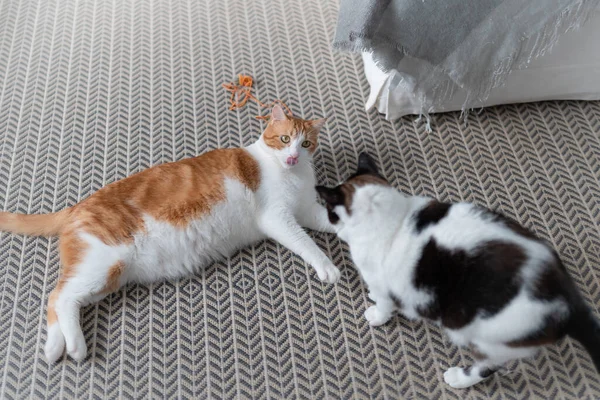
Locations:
{"points": [[314, 216], [382, 311], [284, 229]]}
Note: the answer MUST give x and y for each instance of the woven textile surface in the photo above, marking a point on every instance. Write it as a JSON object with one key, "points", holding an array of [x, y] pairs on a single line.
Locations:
{"points": [[92, 91]]}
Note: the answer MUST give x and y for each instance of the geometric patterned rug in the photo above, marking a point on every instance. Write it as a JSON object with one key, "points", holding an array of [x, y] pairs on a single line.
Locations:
{"points": [[93, 91]]}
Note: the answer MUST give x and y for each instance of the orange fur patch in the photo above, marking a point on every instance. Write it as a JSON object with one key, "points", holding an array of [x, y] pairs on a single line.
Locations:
{"points": [[291, 127], [72, 249], [52, 318], [175, 192], [113, 280]]}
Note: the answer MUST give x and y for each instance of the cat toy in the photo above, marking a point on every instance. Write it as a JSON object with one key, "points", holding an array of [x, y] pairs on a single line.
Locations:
{"points": [[242, 92]]}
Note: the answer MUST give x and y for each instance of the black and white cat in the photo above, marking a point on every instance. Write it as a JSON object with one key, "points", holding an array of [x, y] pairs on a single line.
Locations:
{"points": [[487, 280]]}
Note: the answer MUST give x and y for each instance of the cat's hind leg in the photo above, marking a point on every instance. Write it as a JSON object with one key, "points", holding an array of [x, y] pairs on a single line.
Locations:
{"points": [[55, 340], [91, 270], [489, 358]]}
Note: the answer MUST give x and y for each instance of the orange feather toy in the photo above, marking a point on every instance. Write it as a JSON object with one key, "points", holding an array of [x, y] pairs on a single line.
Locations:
{"points": [[242, 92]]}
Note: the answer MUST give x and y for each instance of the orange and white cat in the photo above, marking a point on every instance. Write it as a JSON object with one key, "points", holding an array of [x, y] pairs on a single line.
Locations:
{"points": [[172, 219]]}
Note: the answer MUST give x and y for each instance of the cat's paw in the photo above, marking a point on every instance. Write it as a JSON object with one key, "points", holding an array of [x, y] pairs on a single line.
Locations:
{"points": [[375, 317], [329, 273], [458, 379], [55, 344], [78, 349]]}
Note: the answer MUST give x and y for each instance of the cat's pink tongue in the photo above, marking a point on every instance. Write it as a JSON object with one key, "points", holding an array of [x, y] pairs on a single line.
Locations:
{"points": [[291, 161]]}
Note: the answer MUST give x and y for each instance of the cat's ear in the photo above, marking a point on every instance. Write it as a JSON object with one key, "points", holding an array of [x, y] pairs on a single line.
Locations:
{"points": [[277, 113], [318, 124], [332, 196], [366, 165]]}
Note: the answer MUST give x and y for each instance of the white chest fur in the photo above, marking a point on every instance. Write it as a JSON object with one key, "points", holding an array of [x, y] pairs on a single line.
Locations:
{"points": [[283, 189]]}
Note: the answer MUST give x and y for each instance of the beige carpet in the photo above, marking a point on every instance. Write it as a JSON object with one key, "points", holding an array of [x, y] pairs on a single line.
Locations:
{"points": [[91, 91]]}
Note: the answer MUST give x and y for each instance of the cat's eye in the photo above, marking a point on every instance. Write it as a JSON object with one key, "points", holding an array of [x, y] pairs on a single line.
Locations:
{"points": [[306, 144], [285, 139]]}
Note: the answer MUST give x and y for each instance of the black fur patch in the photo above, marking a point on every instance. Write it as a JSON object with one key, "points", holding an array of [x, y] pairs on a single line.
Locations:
{"points": [[464, 284], [550, 284], [341, 195], [333, 217], [585, 328], [366, 165], [431, 214]]}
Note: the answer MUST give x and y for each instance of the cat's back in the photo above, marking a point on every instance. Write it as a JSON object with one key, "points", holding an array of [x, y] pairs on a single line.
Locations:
{"points": [[463, 241], [467, 225], [476, 262], [173, 192], [199, 180]]}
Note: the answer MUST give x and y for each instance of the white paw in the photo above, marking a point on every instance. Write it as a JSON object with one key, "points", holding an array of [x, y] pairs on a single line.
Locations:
{"points": [[375, 317], [78, 350], [55, 344], [329, 273], [457, 378]]}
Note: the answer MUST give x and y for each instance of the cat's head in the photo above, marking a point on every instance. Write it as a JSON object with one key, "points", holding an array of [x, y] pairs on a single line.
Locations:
{"points": [[340, 200], [291, 140]]}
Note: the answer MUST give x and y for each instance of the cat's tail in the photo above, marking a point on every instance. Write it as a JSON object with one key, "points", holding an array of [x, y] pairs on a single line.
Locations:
{"points": [[34, 224], [585, 328]]}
